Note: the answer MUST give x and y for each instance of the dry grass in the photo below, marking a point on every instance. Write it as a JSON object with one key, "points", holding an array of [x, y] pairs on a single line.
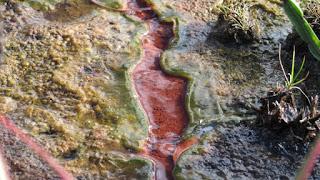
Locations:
{"points": [[311, 10], [236, 16]]}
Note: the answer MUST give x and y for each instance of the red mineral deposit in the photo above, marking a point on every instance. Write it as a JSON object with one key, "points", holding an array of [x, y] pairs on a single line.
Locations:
{"points": [[161, 95]]}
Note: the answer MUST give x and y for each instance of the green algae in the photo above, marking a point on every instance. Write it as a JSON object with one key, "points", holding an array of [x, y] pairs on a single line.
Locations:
{"points": [[68, 85], [134, 167], [205, 104], [164, 11], [203, 67], [115, 4], [50, 5], [116, 166], [43, 5]]}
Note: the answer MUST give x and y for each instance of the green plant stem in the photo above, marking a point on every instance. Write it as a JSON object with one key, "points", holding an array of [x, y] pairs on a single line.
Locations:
{"points": [[292, 66]]}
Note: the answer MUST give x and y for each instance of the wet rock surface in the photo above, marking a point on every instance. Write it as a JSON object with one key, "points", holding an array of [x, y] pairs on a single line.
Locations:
{"points": [[225, 73], [244, 151]]}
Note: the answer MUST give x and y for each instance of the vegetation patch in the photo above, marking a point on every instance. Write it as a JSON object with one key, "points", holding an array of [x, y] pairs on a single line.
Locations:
{"points": [[244, 20], [289, 107], [236, 22], [50, 5]]}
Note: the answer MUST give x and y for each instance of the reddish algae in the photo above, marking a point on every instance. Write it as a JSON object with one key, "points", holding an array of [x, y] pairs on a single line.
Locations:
{"points": [[162, 96]]}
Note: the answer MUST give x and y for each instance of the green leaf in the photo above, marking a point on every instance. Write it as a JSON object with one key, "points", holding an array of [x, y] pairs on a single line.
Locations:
{"points": [[301, 25]]}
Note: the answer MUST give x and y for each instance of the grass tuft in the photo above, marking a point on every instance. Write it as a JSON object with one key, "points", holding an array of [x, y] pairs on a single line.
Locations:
{"points": [[236, 17]]}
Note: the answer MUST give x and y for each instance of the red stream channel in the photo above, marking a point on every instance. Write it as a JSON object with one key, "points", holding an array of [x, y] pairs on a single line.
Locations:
{"points": [[162, 96]]}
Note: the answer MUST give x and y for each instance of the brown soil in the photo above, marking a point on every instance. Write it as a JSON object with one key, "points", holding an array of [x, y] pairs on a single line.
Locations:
{"points": [[161, 95]]}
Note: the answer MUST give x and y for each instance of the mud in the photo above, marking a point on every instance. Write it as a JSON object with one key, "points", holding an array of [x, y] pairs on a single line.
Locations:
{"points": [[244, 151]]}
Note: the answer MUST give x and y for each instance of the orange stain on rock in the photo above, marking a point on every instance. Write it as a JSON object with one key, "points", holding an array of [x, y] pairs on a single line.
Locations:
{"points": [[162, 96]]}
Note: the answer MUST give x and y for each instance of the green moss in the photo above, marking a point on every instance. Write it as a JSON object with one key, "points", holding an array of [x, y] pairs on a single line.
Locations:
{"points": [[50, 5], [42, 5], [72, 80], [115, 4]]}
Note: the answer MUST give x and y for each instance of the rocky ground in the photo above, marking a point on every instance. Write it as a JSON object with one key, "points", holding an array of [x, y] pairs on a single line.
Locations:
{"points": [[65, 80], [244, 151]]}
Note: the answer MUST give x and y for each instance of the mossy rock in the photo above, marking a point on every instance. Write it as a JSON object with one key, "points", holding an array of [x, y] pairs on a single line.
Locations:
{"points": [[71, 80], [49, 5], [114, 4]]}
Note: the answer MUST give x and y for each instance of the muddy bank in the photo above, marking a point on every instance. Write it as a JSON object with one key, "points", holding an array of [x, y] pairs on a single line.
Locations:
{"points": [[244, 151]]}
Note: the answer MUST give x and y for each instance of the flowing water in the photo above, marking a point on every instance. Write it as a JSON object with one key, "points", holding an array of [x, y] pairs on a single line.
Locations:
{"points": [[162, 96]]}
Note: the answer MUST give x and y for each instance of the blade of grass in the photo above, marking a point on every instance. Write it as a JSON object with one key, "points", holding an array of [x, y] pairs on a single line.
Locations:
{"points": [[304, 94], [300, 81], [295, 14], [300, 69], [281, 65], [292, 65]]}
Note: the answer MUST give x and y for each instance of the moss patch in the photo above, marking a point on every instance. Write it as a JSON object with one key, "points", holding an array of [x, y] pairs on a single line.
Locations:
{"points": [[68, 85], [50, 5]]}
